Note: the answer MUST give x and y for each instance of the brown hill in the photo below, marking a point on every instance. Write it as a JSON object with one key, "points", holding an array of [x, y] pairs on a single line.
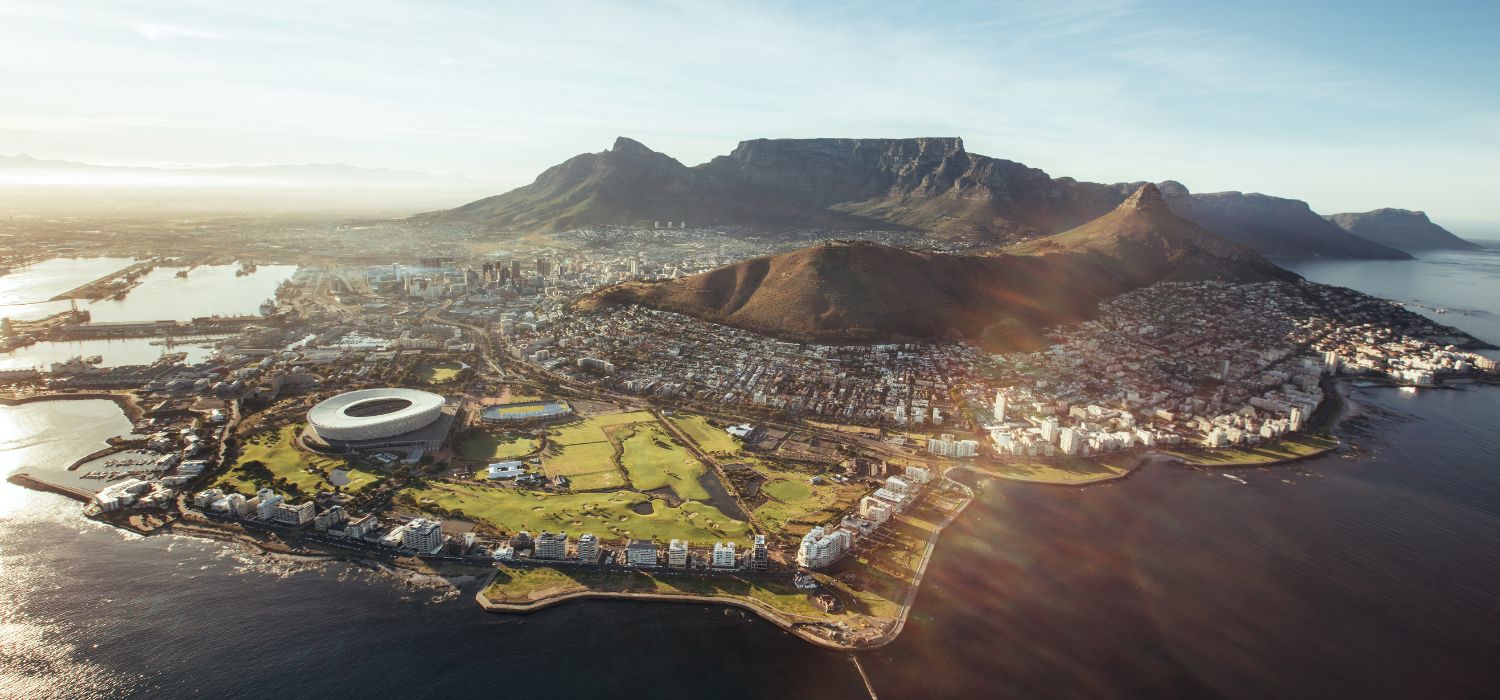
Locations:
{"points": [[864, 292]]}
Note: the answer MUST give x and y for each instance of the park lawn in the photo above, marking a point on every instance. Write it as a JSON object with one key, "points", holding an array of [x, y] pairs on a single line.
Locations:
{"points": [[654, 460], [490, 447], [708, 438], [793, 506], [1293, 447], [606, 514], [591, 429], [1064, 469], [580, 458], [281, 456], [439, 372], [527, 584]]}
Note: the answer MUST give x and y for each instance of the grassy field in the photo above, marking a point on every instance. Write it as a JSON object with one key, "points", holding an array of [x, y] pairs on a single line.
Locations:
{"points": [[280, 455], [491, 447], [708, 438], [885, 572], [438, 372], [606, 514], [653, 460], [1294, 447], [523, 585], [583, 452], [795, 505], [1063, 469]]}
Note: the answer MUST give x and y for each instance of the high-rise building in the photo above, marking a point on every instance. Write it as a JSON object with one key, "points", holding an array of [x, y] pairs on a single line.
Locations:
{"points": [[760, 555], [543, 267], [724, 555], [1000, 406], [550, 546], [677, 554], [641, 553], [515, 270], [1070, 441], [588, 548], [423, 535], [820, 548], [1049, 430]]}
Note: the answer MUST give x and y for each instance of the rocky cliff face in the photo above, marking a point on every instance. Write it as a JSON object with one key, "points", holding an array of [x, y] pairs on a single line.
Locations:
{"points": [[1402, 229], [1273, 226]]}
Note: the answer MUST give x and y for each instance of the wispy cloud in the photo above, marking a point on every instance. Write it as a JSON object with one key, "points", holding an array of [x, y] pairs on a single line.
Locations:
{"points": [[157, 31]]}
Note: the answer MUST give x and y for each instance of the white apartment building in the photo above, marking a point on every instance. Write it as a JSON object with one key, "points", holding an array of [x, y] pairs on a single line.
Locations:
{"points": [[423, 535], [588, 548], [550, 546], [677, 554], [724, 555]]}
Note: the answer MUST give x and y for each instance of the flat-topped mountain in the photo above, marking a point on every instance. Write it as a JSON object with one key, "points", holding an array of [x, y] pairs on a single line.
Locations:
{"points": [[926, 184], [1402, 229], [864, 292]]}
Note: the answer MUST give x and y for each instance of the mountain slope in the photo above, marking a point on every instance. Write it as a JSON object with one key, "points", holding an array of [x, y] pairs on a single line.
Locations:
{"points": [[1273, 226], [863, 292], [1401, 229], [927, 184]]}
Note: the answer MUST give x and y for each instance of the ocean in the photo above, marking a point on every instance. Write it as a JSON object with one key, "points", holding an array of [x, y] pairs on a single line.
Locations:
{"points": [[1371, 573]]}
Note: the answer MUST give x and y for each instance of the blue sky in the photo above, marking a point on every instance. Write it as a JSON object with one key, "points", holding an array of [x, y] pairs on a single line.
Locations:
{"points": [[1350, 106]]}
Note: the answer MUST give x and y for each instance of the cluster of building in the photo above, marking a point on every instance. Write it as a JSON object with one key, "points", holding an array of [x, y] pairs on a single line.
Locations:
{"points": [[643, 553], [1207, 363], [657, 353], [824, 545]]}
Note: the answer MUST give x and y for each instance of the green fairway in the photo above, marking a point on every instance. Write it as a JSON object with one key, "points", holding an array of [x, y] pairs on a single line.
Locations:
{"points": [[653, 460], [439, 372], [709, 439], [606, 514], [488, 447], [793, 505], [583, 452], [788, 490], [591, 429], [305, 470]]}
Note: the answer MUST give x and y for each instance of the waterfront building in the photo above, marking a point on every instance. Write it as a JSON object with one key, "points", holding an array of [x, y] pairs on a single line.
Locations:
{"points": [[760, 555], [550, 546], [1070, 441], [265, 508], [875, 509], [724, 555], [588, 548], [677, 554], [641, 553], [820, 548], [423, 535], [329, 518], [918, 475], [361, 527], [295, 515]]}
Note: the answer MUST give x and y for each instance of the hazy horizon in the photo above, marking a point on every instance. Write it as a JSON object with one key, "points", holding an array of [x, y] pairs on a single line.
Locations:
{"points": [[1349, 109]]}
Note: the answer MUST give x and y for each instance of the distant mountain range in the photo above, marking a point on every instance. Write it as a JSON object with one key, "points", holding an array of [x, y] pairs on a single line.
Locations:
{"points": [[1400, 228], [927, 184], [865, 292]]}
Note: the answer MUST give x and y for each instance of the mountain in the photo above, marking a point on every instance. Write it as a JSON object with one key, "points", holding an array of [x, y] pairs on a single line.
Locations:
{"points": [[1402, 229], [1145, 241], [1273, 226], [926, 184], [864, 292], [630, 184]]}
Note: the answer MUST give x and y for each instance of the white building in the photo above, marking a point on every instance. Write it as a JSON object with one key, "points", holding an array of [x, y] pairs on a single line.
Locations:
{"points": [[423, 535], [588, 548], [724, 555], [677, 554], [506, 470], [641, 553], [1071, 441], [330, 517], [295, 515], [550, 546], [269, 500], [820, 548], [1000, 406], [875, 509], [918, 475]]}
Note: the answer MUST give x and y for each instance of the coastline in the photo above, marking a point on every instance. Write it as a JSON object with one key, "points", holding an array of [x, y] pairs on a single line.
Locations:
{"points": [[126, 402]]}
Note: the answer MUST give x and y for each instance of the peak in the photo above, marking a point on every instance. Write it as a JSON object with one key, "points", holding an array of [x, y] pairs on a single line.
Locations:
{"points": [[1173, 188], [1147, 197], [625, 143]]}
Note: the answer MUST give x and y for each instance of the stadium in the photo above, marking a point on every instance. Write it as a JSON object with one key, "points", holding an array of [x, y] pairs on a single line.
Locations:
{"points": [[379, 419]]}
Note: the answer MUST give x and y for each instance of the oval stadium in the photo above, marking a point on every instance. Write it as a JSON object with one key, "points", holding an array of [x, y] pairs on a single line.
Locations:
{"points": [[372, 414]]}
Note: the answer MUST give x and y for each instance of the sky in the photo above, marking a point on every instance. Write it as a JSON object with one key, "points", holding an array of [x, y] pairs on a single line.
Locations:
{"points": [[1348, 105]]}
